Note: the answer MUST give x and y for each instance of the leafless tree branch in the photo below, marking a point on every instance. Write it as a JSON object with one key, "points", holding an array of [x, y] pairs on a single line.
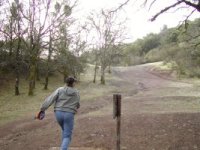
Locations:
{"points": [[120, 6], [152, 3], [165, 9]]}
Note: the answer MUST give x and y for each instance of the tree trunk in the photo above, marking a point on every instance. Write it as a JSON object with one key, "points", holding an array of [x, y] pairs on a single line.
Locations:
{"points": [[17, 56], [17, 86], [17, 69], [48, 61], [30, 92], [31, 79], [47, 78], [95, 73], [46, 82], [17, 72], [37, 74], [109, 69], [103, 75]]}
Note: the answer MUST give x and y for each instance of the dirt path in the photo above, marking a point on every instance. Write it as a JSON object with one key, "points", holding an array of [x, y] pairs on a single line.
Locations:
{"points": [[158, 114]]}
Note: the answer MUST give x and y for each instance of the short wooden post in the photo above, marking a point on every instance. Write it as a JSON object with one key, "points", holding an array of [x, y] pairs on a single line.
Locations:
{"points": [[117, 114]]}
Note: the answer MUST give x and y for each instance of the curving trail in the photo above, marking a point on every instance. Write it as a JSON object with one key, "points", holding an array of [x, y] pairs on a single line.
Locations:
{"points": [[159, 113]]}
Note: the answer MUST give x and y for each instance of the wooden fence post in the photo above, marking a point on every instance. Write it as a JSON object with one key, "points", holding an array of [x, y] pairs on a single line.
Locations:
{"points": [[117, 114]]}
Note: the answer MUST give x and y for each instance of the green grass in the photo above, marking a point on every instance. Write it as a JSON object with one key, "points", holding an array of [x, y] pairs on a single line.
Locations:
{"points": [[15, 107], [89, 90]]}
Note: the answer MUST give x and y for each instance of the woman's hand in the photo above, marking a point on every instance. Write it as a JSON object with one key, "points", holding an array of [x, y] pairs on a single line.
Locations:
{"points": [[40, 115]]}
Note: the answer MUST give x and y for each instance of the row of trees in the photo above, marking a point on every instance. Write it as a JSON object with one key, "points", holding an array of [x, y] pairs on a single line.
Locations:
{"points": [[36, 39]]}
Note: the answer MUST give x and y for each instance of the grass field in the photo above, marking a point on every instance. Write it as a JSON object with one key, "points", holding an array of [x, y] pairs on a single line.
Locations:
{"points": [[15, 107], [158, 112]]}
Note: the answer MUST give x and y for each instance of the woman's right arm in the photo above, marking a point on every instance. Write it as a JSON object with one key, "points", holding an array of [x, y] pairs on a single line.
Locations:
{"points": [[49, 100], [78, 98]]}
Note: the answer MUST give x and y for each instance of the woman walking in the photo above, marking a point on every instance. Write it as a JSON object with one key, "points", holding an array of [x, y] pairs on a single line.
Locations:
{"points": [[66, 103]]}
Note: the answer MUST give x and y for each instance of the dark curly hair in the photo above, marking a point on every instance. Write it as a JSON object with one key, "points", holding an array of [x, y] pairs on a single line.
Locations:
{"points": [[69, 81]]}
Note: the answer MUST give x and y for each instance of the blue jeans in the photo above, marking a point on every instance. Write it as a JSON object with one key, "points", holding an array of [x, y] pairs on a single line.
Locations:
{"points": [[66, 122]]}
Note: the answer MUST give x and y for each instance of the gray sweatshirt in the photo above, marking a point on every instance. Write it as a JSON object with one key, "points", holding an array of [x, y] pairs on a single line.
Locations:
{"points": [[64, 99]]}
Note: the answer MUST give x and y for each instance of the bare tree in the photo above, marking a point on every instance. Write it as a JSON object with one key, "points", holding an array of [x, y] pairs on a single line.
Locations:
{"points": [[109, 32]]}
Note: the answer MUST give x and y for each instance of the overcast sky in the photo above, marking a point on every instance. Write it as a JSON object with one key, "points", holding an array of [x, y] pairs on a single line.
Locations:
{"points": [[138, 23]]}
